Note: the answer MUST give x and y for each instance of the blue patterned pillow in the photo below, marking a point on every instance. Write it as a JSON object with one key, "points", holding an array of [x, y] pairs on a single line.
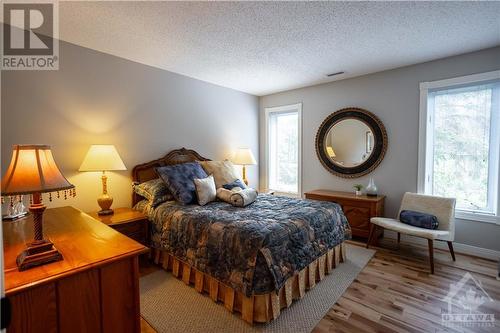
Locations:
{"points": [[417, 219], [179, 179], [233, 184]]}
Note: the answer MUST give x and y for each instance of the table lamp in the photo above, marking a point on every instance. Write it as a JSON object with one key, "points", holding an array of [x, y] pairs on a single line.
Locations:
{"points": [[103, 158], [33, 171], [244, 156]]}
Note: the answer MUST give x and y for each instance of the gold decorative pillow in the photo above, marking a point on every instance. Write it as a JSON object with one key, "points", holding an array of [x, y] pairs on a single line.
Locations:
{"points": [[224, 172]]}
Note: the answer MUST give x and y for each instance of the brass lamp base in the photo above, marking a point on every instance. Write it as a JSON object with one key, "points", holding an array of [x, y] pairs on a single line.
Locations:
{"points": [[245, 180], [37, 253], [105, 200], [105, 212]]}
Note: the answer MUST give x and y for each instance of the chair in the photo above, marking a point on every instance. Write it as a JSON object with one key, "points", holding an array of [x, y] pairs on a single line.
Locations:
{"points": [[442, 208]]}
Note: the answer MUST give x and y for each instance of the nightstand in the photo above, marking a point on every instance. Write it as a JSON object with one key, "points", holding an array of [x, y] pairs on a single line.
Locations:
{"points": [[127, 221]]}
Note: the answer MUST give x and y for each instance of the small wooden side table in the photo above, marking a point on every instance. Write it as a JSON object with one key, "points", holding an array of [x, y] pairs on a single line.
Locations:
{"points": [[127, 221], [357, 208]]}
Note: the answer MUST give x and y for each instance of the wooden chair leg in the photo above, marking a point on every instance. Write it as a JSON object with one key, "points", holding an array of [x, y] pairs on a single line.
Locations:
{"points": [[370, 234], [431, 254], [450, 246]]}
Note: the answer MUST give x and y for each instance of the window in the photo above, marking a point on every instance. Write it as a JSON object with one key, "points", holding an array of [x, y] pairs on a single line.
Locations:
{"points": [[283, 148], [460, 143]]}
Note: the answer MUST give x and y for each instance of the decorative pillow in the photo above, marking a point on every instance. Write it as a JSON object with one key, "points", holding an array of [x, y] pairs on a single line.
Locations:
{"points": [[154, 191], [418, 219], [236, 183], [179, 180], [244, 197], [224, 172], [205, 190]]}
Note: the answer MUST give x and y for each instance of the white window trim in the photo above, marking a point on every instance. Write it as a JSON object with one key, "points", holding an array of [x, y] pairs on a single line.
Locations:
{"points": [[424, 145], [277, 109]]}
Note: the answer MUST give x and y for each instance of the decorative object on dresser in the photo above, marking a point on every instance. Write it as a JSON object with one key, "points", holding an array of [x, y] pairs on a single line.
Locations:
{"points": [[357, 209], [351, 142], [127, 221], [33, 171], [244, 157], [96, 287], [358, 188], [16, 208], [103, 158], [442, 208], [371, 188]]}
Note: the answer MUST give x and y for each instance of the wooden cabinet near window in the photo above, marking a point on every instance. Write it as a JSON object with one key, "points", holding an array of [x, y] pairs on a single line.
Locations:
{"points": [[95, 288], [357, 209]]}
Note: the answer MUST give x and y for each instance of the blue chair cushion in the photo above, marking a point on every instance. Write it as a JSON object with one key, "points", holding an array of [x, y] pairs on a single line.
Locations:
{"points": [[233, 184], [179, 179], [418, 219]]}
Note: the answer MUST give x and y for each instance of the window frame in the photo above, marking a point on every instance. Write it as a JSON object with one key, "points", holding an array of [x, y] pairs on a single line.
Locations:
{"points": [[425, 143], [283, 109]]}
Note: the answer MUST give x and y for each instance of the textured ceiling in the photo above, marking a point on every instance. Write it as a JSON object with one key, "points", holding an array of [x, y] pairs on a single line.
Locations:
{"points": [[266, 47]]}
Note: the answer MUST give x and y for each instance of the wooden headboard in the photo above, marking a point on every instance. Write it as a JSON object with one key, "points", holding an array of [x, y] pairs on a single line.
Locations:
{"points": [[146, 171]]}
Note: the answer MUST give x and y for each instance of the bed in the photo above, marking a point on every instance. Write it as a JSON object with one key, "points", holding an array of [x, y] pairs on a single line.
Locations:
{"points": [[255, 260]]}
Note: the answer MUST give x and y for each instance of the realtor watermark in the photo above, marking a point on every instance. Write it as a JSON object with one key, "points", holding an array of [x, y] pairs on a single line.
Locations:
{"points": [[464, 304], [30, 35]]}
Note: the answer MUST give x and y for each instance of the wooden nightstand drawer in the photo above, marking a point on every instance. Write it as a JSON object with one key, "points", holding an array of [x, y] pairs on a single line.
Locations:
{"points": [[136, 230], [129, 222], [131, 227]]}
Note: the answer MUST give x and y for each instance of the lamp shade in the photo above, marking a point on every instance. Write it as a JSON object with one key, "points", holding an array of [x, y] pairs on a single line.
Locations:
{"points": [[33, 169], [102, 158], [244, 156], [330, 151]]}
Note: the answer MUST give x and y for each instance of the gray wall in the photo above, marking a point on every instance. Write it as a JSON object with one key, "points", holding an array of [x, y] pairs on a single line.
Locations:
{"points": [[144, 111], [394, 97]]}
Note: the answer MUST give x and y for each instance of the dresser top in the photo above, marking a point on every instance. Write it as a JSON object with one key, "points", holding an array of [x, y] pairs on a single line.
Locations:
{"points": [[83, 242], [345, 195]]}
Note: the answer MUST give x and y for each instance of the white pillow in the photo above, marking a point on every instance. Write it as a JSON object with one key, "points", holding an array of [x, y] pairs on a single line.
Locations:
{"points": [[205, 190]]}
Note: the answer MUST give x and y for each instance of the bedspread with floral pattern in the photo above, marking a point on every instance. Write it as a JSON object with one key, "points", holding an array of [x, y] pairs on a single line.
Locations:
{"points": [[253, 249]]}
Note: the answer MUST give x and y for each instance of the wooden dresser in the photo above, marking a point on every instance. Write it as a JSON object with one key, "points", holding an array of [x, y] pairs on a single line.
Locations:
{"points": [[95, 288], [357, 209]]}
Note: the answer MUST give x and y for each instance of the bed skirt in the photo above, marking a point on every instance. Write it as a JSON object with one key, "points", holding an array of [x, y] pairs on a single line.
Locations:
{"points": [[256, 308]]}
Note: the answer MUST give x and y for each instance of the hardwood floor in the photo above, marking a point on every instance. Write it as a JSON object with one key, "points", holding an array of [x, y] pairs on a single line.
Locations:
{"points": [[396, 293]]}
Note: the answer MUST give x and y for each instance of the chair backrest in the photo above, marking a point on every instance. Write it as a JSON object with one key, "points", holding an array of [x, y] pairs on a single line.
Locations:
{"points": [[442, 208]]}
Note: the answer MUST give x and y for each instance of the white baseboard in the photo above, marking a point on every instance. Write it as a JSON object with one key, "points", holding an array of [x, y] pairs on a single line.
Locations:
{"points": [[458, 247]]}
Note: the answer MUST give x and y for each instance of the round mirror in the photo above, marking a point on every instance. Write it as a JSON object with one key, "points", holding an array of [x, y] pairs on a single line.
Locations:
{"points": [[351, 142]]}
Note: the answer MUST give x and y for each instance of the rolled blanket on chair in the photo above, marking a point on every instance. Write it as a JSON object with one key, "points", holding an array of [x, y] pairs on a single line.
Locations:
{"points": [[244, 197]]}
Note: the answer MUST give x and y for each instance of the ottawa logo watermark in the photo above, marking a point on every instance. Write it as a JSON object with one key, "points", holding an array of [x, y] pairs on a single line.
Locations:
{"points": [[465, 299], [30, 35]]}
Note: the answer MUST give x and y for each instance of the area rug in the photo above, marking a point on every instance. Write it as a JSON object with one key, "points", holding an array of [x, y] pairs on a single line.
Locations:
{"points": [[169, 305]]}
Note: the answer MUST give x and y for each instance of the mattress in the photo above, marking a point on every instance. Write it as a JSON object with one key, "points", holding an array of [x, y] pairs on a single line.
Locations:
{"points": [[252, 249]]}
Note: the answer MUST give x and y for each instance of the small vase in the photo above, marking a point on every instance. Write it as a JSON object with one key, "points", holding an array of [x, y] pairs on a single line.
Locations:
{"points": [[371, 188], [358, 193]]}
